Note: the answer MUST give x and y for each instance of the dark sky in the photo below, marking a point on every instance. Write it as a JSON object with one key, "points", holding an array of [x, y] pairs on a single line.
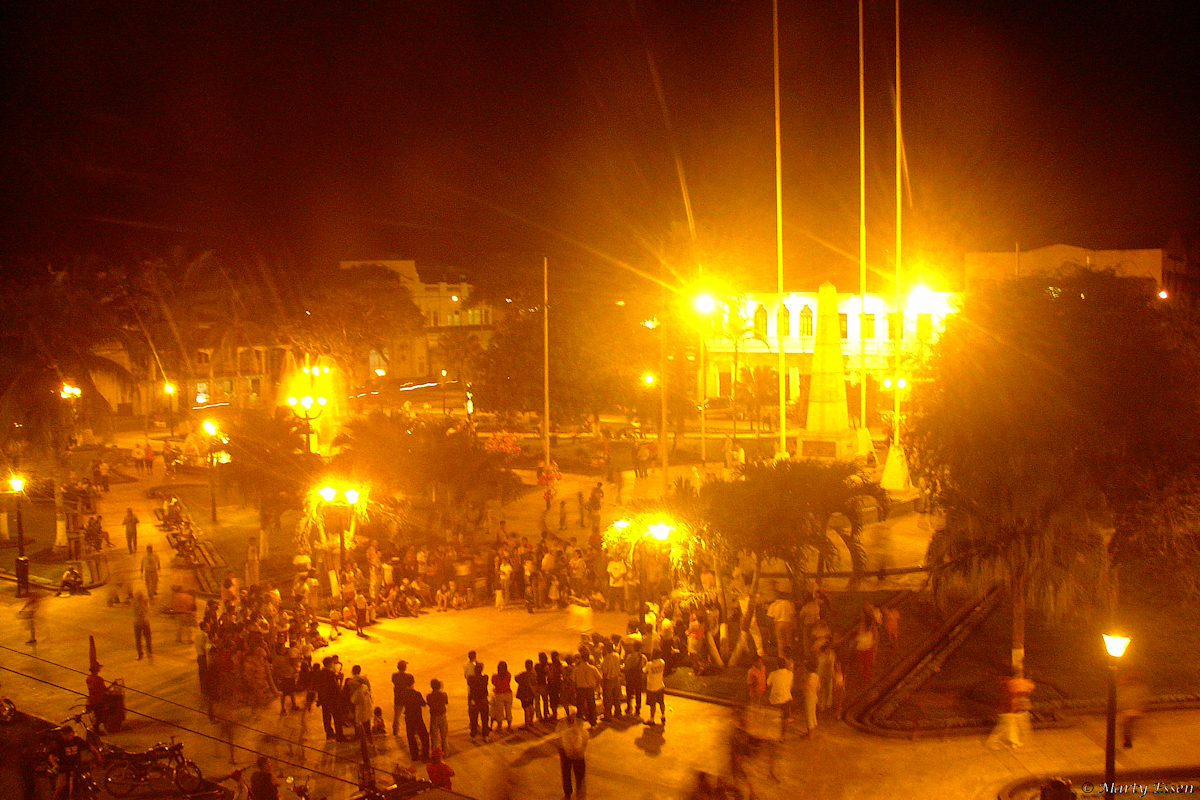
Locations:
{"points": [[450, 131]]}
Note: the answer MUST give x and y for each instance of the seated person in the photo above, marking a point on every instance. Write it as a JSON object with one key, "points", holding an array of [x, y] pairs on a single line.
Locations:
{"points": [[459, 601], [72, 581], [443, 598], [412, 605]]}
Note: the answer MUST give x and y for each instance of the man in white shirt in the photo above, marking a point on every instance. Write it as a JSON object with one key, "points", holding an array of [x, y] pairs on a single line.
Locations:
{"points": [[783, 612], [779, 688], [572, 743], [616, 583]]}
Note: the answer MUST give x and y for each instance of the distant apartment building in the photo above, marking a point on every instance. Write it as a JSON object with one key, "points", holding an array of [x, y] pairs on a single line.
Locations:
{"points": [[1166, 267], [451, 324]]}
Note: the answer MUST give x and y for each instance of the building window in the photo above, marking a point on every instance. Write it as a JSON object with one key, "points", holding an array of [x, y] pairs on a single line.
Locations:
{"points": [[895, 327], [760, 321], [844, 325], [783, 321], [867, 326], [806, 328], [203, 356], [487, 316], [924, 327]]}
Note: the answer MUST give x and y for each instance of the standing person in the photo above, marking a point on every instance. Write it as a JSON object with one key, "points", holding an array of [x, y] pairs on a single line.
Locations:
{"points": [[105, 475], [826, 662], [610, 672], [130, 522], [66, 756], [437, 702], [477, 702], [469, 668], [527, 694], [328, 688], [655, 688], [138, 456], [414, 724], [503, 694], [756, 680], [1132, 696], [783, 612], [562, 515], [150, 569], [1013, 718], [263, 783], [866, 640], [779, 689], [141, 624], [572, 743], [541, 687], [401, 680], [587, 681], [148, 450], [252, 562], [554, 683], [812, 691], [200, 641], [635, 680], [617, 570], [184, 605]]}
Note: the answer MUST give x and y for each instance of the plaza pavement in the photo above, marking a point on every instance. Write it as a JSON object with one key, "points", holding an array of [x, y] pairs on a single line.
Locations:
{"points": [[624, 760]]}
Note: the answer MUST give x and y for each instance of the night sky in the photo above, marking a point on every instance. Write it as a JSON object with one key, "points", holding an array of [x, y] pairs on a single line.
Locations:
{"points": [[450, 131]]}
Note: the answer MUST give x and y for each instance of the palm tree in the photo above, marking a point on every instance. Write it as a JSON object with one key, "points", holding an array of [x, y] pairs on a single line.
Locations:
{"points": [[783, 509], [51, 325]]}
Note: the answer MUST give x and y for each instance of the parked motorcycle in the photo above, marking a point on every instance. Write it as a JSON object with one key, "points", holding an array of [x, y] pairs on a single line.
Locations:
{"points": [[159, 764]]}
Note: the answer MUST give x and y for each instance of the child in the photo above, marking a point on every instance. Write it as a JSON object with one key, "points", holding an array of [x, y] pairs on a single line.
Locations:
{"points": [[378, 728], [443, 598], [335, 619], [440, 773]]}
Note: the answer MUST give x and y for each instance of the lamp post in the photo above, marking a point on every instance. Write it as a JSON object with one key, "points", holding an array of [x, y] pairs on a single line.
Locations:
{"points": [[17, 484], [213, 432], [1115, 645], [705, 305], [302, 408], [352, 496], [169, 392]]}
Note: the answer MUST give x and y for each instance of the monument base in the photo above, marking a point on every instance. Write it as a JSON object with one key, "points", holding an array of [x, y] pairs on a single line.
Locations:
{"points": [[895, 479], [839, 445]]}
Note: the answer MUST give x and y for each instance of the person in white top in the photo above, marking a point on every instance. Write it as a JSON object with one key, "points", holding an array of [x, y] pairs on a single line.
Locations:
{"points": [[572, 745], [779, 687], [655, 687]]}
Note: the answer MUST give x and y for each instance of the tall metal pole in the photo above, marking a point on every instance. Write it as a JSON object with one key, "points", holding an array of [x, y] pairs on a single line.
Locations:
{"points": [[782, 367], [546, 360], [663, 441], [862, 226], [1110, 731], [703, 379], [899, 204]]}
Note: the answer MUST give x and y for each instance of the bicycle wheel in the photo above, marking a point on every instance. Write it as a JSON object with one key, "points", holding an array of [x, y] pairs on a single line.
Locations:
{"points": [[120, 779], [188, 777]]}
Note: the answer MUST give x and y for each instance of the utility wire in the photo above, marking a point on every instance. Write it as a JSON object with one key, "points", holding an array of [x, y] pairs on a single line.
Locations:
{"points": [[184, 727]]}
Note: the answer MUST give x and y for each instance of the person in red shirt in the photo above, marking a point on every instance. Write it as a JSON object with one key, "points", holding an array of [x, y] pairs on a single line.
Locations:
{"points": [[440, 772]]}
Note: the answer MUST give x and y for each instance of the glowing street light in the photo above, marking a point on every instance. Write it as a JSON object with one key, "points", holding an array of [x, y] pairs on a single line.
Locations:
{"points": [[1163, 294], [213, 430], [168, 388], [352, 496], [648, 378], [17, 484], [659, 531], [306, 403], [380, 372], [1115, 645], [705, 303]]}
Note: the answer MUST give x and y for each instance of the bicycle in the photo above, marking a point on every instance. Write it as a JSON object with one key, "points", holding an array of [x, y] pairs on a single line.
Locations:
{"points": [[158, 764]]}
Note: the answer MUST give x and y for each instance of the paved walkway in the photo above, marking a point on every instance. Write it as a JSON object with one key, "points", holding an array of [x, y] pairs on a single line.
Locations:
{"points": [[624, 760]]}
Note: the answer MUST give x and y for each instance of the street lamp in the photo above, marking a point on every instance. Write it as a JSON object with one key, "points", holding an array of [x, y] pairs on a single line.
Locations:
{"points": [[352, 496], [705, 304], [1115, 645], [304, 412], [17, 484], [213, 431]]}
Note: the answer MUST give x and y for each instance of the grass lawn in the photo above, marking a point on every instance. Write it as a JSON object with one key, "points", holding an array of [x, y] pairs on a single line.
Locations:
{"points": [[1066, 659]]}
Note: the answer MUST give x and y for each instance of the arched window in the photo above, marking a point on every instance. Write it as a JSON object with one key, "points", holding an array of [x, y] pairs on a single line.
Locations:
{"points": [[806, 316], [783, 321], [760, 321]]}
